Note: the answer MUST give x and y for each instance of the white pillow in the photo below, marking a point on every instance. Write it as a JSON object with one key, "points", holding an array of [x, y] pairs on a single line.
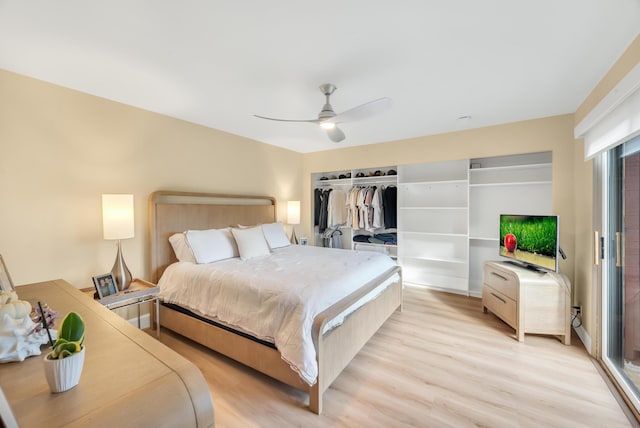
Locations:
{"points": [[181, 248], [251, 242], [211, 245], [275, 235]]}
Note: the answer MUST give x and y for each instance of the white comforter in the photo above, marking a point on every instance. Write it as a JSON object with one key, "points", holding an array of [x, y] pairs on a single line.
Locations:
{"points": [[275, 297]]}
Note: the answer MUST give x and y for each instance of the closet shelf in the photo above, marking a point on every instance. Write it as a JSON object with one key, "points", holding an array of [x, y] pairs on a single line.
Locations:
{"points": [[434, 182], [510, 167], [376, 179], [406, 232], [433, 208], [436, 259], [336, 182], [514, 183], [373, 244]]}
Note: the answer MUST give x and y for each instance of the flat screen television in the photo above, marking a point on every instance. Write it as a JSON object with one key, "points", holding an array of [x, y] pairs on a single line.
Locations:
{"points": [[530, 240]]}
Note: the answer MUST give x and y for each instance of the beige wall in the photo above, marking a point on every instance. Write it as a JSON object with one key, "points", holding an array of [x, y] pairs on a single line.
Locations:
{"points": [[553, 133], [61, 149], [585, 272]]}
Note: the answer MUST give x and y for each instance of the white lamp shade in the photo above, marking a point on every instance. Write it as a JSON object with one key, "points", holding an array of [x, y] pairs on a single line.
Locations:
{"points": [[293, 212], [117, 216]]}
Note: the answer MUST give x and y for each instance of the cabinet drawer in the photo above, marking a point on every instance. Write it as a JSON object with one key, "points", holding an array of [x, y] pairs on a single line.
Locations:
{"points": [[502, 281], [500, 305]]}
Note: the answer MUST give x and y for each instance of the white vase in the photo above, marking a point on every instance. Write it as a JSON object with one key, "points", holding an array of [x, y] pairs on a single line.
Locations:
{"points": [[65, 373]]}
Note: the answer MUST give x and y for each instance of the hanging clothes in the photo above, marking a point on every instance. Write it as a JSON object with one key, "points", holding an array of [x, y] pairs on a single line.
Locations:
{"points": [[324, 211], [317, 205], [368, 202], [337, 208], [362, 210], [390, 202], [378, 209], [354, 207]]}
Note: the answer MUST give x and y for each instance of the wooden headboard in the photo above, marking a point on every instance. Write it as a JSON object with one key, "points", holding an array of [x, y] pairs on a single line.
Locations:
{"points": [[174, 212]]}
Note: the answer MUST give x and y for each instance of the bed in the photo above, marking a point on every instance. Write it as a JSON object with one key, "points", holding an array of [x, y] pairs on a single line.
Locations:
{"points": [[368, 306]]}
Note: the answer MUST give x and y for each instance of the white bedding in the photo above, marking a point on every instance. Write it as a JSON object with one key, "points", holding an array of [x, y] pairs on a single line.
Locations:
{"points": [[274, 297]]}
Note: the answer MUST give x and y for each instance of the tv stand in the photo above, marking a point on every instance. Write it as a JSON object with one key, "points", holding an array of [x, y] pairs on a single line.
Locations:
{"points": [[530, 301]]}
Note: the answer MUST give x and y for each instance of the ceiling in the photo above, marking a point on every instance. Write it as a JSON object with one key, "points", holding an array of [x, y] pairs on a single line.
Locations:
{"points": [[217, 63]]}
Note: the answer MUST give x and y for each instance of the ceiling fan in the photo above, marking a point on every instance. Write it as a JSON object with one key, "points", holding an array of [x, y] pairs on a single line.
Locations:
{"points": [[328, 119]]}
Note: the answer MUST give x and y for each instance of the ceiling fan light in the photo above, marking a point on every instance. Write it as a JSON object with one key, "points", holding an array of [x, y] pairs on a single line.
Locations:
{"points": [[327, 125]]}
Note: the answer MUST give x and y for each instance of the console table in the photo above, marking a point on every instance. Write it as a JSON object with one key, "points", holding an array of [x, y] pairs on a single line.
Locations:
{"points": [[129, 378], [529, 301]]}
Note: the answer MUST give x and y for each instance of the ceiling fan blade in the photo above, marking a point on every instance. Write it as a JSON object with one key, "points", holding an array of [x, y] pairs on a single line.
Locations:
{"points": [[335, 134], [288, 120], [363, 111]]}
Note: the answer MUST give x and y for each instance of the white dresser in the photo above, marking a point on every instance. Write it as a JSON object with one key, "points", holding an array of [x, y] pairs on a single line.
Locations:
{"points": [[528, 301]]}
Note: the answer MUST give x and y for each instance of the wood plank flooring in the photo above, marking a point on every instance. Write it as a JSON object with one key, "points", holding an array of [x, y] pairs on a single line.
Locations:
{"points": [[439, 363]]}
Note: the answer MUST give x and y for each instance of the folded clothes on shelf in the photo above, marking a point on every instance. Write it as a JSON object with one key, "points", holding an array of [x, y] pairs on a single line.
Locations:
{"points": [[378, 238]]}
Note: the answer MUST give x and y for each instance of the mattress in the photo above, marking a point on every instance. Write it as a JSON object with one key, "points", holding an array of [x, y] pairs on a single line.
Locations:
{"points": [[276, 297]]}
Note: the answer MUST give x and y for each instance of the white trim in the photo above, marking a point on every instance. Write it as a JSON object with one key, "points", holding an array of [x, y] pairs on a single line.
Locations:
{"points": [[584, 338], [615, 119], [475, 293], [627, 86]]}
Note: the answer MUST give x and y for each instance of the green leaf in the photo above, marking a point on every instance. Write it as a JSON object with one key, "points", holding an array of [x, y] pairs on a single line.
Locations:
{"points": [[59, 341], [72, 328], [65, 349]]}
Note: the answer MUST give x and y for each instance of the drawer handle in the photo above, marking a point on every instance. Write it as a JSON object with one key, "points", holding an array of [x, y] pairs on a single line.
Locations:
{"points": [[499, 276], [499, 298]]}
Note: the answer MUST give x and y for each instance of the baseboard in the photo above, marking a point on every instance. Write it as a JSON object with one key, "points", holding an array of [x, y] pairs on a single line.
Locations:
{"points": [[584, 338], [434, 288], [145, 321]]}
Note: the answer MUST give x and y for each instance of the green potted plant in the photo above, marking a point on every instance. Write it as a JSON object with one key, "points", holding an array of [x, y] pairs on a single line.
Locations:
{"points": [[63, 365]]}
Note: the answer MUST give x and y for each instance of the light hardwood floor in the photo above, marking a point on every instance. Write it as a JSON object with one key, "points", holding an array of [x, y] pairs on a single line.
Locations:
{"points": [[439, 363]]}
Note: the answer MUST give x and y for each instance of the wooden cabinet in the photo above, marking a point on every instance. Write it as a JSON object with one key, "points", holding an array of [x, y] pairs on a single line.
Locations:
{"points": [[529, 301]]}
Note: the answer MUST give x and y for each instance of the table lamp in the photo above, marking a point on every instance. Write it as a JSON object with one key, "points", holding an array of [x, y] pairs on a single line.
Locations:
{"points": [[293, 218], [117, 223]]}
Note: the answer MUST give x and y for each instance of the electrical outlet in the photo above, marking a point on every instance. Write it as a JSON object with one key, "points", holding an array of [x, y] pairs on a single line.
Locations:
{"points": [[577, 309]]}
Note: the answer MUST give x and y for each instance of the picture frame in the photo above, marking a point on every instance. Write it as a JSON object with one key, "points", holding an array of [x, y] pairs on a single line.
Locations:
{"points": [[5, 279], [105, 285]]}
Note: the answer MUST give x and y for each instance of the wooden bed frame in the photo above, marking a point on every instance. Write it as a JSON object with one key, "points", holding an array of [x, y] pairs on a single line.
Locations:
{"points": [[173, 212]]}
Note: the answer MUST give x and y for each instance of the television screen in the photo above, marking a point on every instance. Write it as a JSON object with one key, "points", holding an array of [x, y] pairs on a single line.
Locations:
{"points": [[531, 240]]}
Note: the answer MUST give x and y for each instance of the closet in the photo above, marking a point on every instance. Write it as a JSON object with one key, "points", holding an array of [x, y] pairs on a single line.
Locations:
{"points": [[377, 233], [447, 213]]}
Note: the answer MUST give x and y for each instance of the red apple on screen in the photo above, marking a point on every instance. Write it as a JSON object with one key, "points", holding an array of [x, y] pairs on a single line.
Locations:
{"points": [[510, 242]]}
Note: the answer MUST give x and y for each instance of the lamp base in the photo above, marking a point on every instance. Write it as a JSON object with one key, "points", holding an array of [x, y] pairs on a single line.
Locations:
{"points": [[294, 238], [120, 271]]}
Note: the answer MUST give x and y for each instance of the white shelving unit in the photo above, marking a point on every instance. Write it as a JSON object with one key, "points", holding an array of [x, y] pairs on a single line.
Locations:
{"points": [[448, 213], [433, 224], [518, 184]]}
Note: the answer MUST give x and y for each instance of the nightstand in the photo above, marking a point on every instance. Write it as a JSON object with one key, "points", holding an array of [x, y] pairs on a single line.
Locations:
{"points": [[139, 292]]}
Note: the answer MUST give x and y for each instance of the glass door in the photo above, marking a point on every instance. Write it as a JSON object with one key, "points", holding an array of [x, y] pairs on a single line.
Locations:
{"points": [[621, 268]]}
